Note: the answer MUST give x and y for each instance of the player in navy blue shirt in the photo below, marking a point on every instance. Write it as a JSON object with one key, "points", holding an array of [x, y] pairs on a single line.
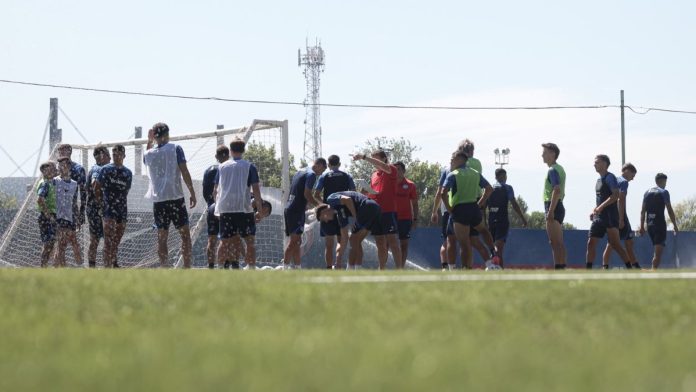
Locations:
{"points": [[365, 211], [114, 182], [334, 180], [298, 200], [222, 154], [628, 173], [77, 173], [653, 214], [94, 206], [448, 249], [605, 217], [498, 219]]}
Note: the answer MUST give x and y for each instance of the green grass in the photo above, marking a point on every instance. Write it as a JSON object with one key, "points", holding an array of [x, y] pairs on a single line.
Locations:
{"points": [[220, 330]]}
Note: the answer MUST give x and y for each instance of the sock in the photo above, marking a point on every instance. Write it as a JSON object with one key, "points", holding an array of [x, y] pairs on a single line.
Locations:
{"points": [[234, 265], [92, 264], [444, 265], [588, 265], [605, 266], [559, 266], [451, 267], [636, 265], [628, 265], [211, 265], [329, 267], [492, 250], [226, 265]]}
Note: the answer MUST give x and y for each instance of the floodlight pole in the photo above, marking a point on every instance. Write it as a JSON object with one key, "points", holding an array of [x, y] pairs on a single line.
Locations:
{"points": [[138, 165], [623, 131], [55, 134]]}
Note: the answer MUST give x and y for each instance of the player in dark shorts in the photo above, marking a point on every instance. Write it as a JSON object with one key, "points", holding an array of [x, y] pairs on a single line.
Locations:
{"points": [[299, 199], [554, 192], [334, 180], [222, 154], [406, 208], [448, 249], [78, 174], [46, 200], [605, 217], [628, 172], [652, 213], [67, 212], [467, 146], [366, 213], [94, 206], [113, 184], [461, 192], [498, 220]]}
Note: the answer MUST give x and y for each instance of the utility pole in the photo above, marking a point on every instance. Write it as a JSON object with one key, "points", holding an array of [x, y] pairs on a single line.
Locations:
{"points": [[623, 131], [55, 134], [138, 165]]}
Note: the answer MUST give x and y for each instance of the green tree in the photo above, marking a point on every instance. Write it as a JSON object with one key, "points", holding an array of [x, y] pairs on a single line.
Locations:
{"points": [[426, 176], [537, 220], [398, 149], [269, 166], [685, 212], [515, 221]]}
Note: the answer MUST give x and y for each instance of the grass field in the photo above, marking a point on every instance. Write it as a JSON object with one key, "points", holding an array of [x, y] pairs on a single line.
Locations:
{"points": [[222, 330]]}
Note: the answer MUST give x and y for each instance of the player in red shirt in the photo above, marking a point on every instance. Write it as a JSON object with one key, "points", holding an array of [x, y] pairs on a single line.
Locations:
{"points": [[383, 181], [406, 209]]}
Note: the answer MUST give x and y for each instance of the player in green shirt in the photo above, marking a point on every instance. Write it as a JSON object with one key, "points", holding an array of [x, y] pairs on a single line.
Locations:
{"points": [[46, 200], [554, 191]]}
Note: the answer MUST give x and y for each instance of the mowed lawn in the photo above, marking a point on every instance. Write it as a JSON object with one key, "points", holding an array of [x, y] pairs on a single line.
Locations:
{"points": [[201, 330]]}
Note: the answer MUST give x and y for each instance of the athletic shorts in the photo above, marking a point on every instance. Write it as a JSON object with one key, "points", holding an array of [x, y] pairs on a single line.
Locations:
{"points": [[47, 228], [94, 220], [294, 222], [558, 213], [386, 224], [404, 228], [499, 230], [212, 221], [170, 211], [467, 214], [626, 233], [608, 219], [237, 223], [446, 225], [658, 234], [369, 216], [66, 224], [333, 227], [120, 215]]}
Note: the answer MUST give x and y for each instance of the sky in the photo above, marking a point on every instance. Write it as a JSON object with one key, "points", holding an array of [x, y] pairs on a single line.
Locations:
{"points": [[450, 53]]}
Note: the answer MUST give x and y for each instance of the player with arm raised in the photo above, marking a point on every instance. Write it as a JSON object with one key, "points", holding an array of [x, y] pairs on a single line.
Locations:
{"points": [[46, 192], [628, 172], [652, 213], [222, 154], [94, 206], [554, 191]]}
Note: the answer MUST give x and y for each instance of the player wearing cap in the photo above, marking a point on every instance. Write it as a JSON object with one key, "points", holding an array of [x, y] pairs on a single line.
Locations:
{"points": [[498, 219], [554, 191], [222, 154], [628, 172], [94, 207], [166, 164], [653, 214], [406, 209]]}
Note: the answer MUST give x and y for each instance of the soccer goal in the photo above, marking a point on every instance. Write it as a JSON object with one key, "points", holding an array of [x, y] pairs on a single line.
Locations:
{"points": [[267, 148]]}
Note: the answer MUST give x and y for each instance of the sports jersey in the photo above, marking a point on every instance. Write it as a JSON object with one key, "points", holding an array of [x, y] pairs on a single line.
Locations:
{"points": [[234, 177], [443, 176], [209, 184], [92, 176], [498, 203], [47, 190], [606, 185], [66, 198], [655, 200], [463, 185], [163, 170], [115, 183], [385, 185], [360, 200], [77, 173], [303, 179], [334, 181], [405, 192], [555, 176]]}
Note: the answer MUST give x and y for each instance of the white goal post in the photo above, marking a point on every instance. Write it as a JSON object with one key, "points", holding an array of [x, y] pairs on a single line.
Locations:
{"points": [[267, 148]]}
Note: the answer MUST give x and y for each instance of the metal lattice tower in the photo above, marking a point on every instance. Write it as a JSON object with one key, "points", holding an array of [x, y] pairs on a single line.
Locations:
{"points": [[313, 62]]}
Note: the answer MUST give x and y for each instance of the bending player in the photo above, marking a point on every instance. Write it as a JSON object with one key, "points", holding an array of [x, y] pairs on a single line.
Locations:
{"points": [[498, 220], [628, 172], [653, 213], [554, 192]]}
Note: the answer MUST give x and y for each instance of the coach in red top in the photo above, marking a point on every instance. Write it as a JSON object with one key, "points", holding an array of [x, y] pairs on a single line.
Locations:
{"points": [[383, 181], [406, 209]]}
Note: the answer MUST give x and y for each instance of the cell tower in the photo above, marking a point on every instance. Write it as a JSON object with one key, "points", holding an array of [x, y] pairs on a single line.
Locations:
{"points": [[313, 62]]}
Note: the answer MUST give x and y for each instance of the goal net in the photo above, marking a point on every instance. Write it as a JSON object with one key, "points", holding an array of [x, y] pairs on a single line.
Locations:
{"points": [[267, 148]]}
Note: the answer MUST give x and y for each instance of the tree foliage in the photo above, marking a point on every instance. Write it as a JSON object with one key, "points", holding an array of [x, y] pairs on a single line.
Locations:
{"points": [[685, 212], [268, 165], [398, 149], [535, 219], [7, 202], [426, 176]]}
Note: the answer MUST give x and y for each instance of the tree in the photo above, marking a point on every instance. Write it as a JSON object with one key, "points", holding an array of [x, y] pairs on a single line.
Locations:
{"points": [[515, 221], [685, 212], [7, 202], [537, 220], [426, 176], [269, 167], [398, 149]]}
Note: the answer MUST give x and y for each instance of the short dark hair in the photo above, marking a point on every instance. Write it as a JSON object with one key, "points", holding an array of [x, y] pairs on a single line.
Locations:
{"points": [[553, 147], [660, 176], [160, 129], [401, 165], [629, 166], [460, 154], [499, 172], [334, 160], [467, 146], [100, 150], [237, 145], [119, 148], [320, 161], [222, 151], [63, 146], [320, 208], [267, 204], [605, 158], [46, 164], [381, 153]]}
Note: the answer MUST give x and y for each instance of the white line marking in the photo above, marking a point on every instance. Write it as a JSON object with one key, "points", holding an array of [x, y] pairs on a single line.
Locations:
{"points": [[445, 277]]}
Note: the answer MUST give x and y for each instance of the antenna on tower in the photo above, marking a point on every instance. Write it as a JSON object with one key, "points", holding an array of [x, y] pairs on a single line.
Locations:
{"points": [[313, 62]]}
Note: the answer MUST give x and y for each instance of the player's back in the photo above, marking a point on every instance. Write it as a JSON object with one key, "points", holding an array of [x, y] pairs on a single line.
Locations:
{"points": [[498, 202], [335, 181], [296, 197], [209, 184], [655, 200]]}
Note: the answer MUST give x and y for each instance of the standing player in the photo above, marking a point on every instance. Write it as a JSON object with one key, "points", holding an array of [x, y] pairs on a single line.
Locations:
{"points": [[383, 181], [94, 207], [461, 192], [554, 191], [46, 192], [67, 212], [467, 146], [77, 173], [233, 205], [366, 213], [406, 208], [222, 154], [628, 172], [299, 199], [605, 217], [166, 165], [333, 181], [653, 213], [498, 220], [448, 249], [113, 183]]}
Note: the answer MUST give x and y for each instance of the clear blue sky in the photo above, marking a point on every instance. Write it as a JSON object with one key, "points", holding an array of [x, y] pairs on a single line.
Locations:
{"points": [[397, 52]]}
